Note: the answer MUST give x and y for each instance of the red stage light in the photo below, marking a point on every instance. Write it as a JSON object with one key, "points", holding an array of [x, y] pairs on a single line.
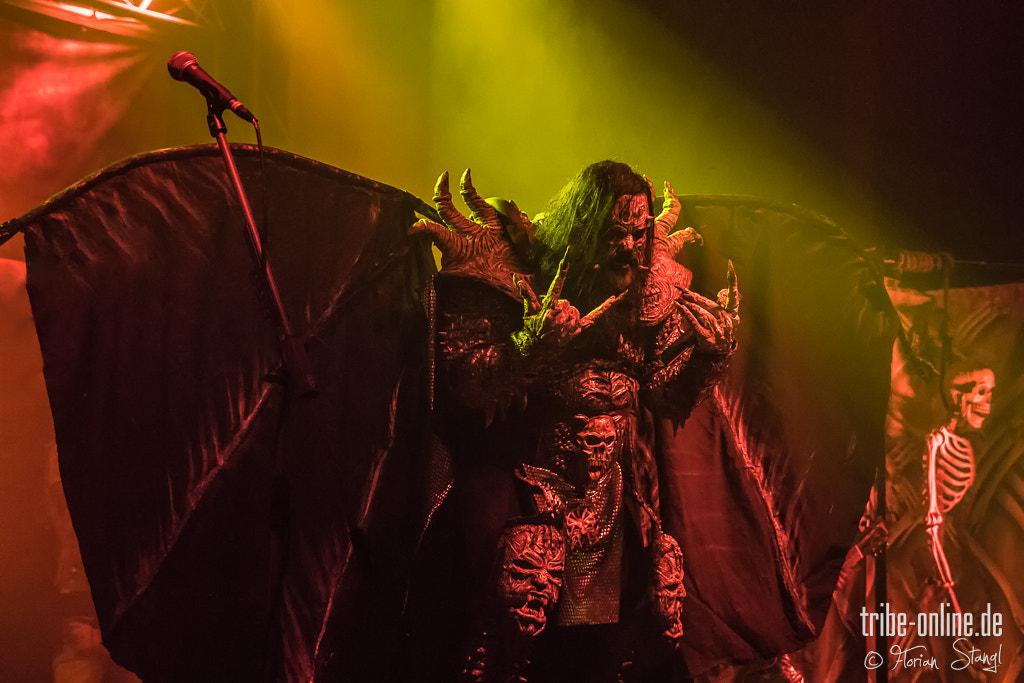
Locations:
{"points": [[112, 16]]}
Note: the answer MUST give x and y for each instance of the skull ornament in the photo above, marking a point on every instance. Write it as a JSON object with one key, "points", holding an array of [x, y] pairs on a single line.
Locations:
{"points": [[972, 394], [667, 588], [594, 450], [532, 563]]}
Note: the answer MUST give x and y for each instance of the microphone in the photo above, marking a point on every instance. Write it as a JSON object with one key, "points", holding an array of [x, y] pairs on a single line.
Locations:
{"points": [[183, 66]]}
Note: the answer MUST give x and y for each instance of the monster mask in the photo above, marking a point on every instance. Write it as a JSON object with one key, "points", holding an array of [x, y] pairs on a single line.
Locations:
{"points": [[533, 559], [626, 233]]}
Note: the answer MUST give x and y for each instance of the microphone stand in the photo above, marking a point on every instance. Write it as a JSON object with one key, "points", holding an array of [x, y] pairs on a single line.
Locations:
{"points": [[293, 353], [298, 375]]}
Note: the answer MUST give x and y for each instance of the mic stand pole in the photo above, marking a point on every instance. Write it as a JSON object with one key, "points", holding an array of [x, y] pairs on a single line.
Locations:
{"points": [[294, 354], [298, 376]]}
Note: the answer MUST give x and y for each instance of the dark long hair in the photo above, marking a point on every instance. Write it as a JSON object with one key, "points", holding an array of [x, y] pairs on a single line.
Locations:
{"points": [[579, 216]]}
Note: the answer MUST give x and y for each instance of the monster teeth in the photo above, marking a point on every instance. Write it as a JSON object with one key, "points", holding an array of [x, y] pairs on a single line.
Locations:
{"points": [[535, 615]]}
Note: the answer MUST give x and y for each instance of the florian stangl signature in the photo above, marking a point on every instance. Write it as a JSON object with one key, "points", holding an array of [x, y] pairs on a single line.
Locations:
{"points": [[918, 657]]}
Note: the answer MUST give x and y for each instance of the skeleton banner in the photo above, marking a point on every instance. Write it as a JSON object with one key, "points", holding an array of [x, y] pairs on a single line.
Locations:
{"points": [[955, 513]]}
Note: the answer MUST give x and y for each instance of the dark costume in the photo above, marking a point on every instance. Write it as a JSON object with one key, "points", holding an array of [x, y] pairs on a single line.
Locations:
{"points": [[583, 458]]}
